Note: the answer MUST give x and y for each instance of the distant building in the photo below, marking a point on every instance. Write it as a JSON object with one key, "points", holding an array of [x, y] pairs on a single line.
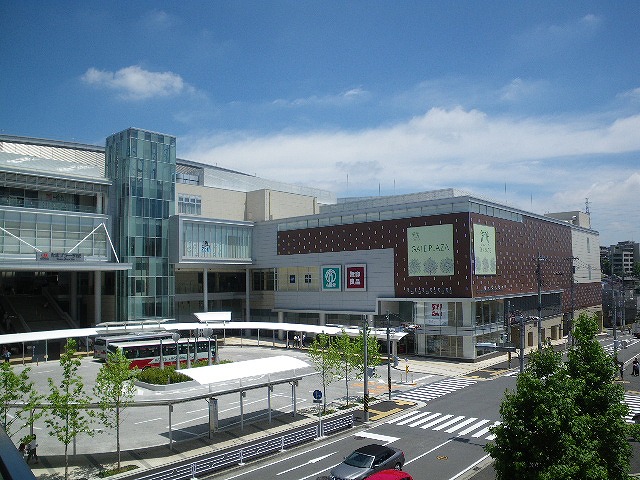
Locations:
{"points": [[131, 232], [623, 257]]}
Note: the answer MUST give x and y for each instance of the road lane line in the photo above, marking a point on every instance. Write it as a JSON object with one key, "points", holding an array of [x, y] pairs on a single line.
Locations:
{"points": [[428, 452], [283, 459], [469, 467], [313, 460], [150, 420]]}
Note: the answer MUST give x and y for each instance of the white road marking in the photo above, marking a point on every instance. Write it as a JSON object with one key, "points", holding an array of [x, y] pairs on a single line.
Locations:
{"points": [[375, 436], [313, 460]]}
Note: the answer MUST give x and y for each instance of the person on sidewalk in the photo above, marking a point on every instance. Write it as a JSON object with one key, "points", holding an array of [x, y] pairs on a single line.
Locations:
{"points": [[31, 450], [621, 370], [636, 368], [6, 354]]}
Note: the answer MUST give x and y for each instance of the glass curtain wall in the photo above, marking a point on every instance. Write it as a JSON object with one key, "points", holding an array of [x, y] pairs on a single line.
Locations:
{"points": [[142, 166]]}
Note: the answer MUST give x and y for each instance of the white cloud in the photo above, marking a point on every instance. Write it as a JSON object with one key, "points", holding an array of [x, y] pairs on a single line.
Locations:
{"points": [[135, 83], [343, 98], [556, 163]]}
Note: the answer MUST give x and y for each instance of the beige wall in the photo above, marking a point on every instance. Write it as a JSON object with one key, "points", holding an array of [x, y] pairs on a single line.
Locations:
{"points": [[263, 205], [216, 202]]}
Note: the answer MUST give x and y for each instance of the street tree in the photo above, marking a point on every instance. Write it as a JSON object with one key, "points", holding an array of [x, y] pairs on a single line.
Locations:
{"points": [[115, 391], [350, 365], [599, 400], [18, 399], [68, 415], [565, 420], [326, 361]]}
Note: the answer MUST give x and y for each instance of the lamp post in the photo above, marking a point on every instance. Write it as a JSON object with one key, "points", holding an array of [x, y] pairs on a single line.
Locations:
{"points": [[388, 355], [365, 396], [161, 356], [176, 338]]}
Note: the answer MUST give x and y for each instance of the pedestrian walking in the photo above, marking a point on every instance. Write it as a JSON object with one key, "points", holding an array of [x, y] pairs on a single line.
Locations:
{"points": [[636, 368], [621, 370], [6, 354], [31, 450]]}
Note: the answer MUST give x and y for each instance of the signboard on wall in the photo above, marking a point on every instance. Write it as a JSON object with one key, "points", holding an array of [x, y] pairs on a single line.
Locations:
{"points": [[436, 313], [331, 278], [430, 250], [484, 249], [355, 277]]}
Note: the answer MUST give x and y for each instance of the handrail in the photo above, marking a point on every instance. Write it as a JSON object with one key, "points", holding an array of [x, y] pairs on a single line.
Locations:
{"points": [[210, 463]]}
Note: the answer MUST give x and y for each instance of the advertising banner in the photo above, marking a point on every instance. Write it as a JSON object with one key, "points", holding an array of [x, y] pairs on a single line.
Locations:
{"points": [[331, 278], [436, 314], [430, 250], [484, 249], [355, 277]]}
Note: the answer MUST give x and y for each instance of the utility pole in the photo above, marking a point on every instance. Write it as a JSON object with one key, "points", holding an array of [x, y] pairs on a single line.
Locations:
{"points": [[539, 278], [365, 396], [615, 323], [388, 355], [521, 343], [573, 271]]}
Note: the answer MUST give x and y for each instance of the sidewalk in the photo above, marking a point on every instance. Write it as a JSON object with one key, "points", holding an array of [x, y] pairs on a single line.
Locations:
{"points": [[88, 466]]}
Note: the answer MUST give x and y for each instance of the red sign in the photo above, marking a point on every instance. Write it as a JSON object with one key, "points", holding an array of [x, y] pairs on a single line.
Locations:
{"points": [[356, 277]]}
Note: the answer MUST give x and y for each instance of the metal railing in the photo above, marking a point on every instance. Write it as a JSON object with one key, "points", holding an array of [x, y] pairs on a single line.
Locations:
{"points": [[239, 456]]}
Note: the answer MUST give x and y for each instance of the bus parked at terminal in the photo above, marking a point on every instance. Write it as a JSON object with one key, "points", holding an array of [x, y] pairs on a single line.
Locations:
{"points": [[151, 353]]}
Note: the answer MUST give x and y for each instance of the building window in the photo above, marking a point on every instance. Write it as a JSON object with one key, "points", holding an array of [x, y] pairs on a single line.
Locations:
{"points": [[189, 204], [307, 278]]}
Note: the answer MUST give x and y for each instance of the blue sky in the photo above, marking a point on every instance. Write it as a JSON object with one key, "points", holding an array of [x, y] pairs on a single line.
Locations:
{"points": [[534, 104]]}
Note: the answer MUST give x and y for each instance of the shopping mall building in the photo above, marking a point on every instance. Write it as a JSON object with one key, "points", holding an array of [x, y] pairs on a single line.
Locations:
{"points": [[129, 231]]}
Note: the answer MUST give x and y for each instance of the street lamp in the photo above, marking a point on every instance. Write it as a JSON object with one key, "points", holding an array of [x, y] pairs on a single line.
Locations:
{"points": [[176, 338], [388, 355]]}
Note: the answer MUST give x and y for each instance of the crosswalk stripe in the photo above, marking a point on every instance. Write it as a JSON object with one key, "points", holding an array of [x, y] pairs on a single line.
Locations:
{"points": [[430, 417], [436, 421], [412, 418], [484, 431], [450, 422], [461, 424], [401, 417], [473, 427]]}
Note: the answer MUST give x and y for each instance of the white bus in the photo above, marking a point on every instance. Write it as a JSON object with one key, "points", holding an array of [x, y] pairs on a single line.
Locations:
{"points": [[101, 343], [147, 353]]}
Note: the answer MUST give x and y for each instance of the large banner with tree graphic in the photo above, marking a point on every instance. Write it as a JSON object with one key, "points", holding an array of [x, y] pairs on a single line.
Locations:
{"points": [[484, 249], [430, 250]]}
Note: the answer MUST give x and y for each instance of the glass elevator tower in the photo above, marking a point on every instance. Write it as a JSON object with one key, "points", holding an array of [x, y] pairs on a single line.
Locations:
{"points": [[142, 167]]}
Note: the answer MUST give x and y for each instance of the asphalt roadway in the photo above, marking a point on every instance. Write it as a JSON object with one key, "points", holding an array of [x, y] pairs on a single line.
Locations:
{"points": [[144, 434]]}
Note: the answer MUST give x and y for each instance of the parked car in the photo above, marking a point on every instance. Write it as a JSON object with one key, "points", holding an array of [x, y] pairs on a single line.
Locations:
{"points": [[368, 460], [390, 475]]}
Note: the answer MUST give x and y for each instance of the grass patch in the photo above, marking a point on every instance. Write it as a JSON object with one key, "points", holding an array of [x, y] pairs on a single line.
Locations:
{"points": [[115, 471]]}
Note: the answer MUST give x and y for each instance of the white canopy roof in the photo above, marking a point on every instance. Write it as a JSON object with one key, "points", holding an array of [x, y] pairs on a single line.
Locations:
{"points": [[245, 370], [119, 328]]}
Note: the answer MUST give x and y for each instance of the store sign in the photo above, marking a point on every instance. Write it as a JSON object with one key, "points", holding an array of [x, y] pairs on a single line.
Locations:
{"points": [[59, 257], [436, 314], [331, 278], [430, 251], [484, 249], [355, 277]]}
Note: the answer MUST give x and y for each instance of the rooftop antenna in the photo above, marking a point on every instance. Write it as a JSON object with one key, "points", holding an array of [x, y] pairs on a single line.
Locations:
{"points": [[586, 206]]}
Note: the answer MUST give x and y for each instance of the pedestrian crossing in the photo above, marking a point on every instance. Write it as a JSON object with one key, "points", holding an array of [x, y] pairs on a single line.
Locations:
{"points": [[633, 402], [435, 390], [455, 424]]}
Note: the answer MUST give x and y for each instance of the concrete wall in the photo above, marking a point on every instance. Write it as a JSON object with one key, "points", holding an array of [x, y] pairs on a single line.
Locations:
{"points": [[216, 202]]}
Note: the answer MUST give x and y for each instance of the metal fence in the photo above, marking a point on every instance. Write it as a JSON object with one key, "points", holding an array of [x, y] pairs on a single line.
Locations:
{"points": [[239, 456]]}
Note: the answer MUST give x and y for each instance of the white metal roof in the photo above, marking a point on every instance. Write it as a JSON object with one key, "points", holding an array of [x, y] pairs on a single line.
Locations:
{"points": [[245, 370], [380, 333]]}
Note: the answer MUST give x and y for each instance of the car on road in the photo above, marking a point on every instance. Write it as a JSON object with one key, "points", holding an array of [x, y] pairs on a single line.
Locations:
{"points": [[368, 460], [390, 475]]}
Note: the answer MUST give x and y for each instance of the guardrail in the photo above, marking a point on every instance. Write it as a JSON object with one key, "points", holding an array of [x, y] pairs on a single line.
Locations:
{"points": [[212, 463]]}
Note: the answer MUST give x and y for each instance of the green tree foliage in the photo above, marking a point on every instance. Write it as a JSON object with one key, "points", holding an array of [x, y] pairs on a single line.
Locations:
{"points": [[566, 419], [18, 399], [115, 390], [326, 361], [68, 414], [350, 361]]}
